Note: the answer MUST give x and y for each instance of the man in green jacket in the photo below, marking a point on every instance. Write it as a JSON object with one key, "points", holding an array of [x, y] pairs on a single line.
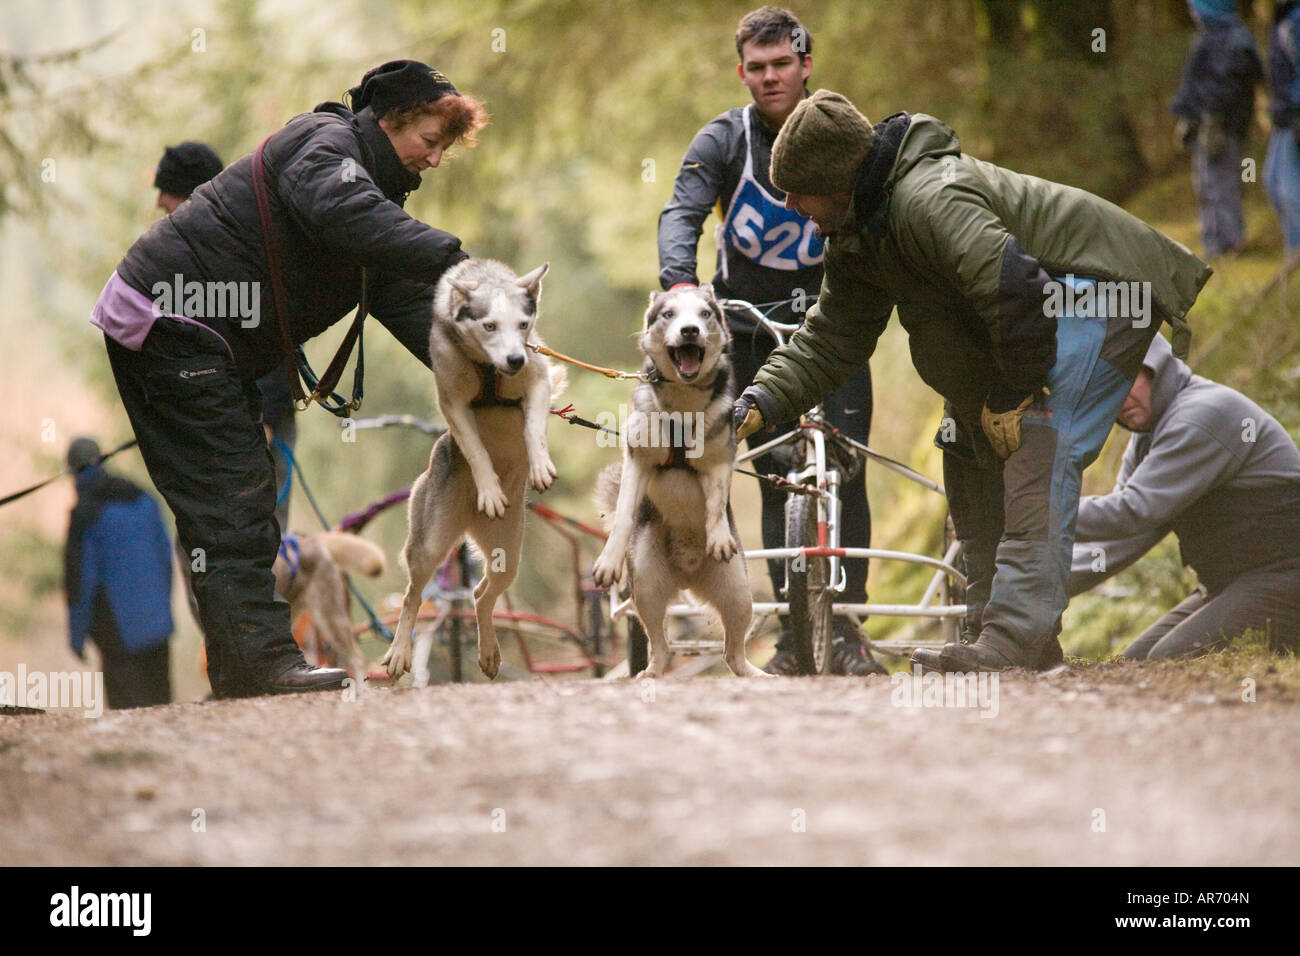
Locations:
{"points": [[1028, 305]]}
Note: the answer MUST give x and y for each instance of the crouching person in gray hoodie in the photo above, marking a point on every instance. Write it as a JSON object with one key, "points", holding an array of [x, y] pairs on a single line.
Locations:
{"points": [[1213, 467]]}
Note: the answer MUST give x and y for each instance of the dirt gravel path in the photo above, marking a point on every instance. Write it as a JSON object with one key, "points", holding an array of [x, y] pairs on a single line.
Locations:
{"points": [[1085, 766]]}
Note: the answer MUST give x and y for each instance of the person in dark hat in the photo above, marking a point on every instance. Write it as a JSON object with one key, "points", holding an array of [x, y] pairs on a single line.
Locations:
{"points": [[272, 251], [1028, 306], [182, 170], [118, 579]]}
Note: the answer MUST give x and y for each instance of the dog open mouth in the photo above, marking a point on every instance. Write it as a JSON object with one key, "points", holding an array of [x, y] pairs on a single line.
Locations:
{"points": [[687, 359]]}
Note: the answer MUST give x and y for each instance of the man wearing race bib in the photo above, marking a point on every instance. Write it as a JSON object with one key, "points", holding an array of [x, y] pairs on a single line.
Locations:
{"points": [[768, 253]]}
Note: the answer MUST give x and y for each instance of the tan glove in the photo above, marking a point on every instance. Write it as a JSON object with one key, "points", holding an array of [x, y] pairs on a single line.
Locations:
{"points": [[1000, 420], [746, 417], [752, 423]]}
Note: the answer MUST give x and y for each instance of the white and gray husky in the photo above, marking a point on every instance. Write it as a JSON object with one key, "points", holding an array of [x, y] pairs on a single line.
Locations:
{"points": [[495, 396], [667, 506]]}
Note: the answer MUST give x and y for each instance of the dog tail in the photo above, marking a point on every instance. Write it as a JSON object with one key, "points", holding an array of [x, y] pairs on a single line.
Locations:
{"points": [[559, 380], [606, 493], [352, 554]]}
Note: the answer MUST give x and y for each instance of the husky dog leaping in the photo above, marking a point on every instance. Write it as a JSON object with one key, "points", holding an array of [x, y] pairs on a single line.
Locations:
{"points": [[670, 499], [495, 395]]}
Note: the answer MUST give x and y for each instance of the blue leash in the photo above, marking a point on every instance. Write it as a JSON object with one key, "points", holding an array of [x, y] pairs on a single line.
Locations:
{"points": [[375, 624], [282, 446]]}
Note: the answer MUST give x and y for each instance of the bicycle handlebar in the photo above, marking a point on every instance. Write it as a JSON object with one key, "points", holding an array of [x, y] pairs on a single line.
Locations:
{"points": [[778, 330]]}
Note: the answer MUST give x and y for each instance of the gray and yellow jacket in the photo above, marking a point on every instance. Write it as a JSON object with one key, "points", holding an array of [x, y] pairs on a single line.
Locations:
{"points": [[964, 250]]}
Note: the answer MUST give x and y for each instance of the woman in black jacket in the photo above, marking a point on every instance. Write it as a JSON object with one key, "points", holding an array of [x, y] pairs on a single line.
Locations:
{"points": [[208, 300]]}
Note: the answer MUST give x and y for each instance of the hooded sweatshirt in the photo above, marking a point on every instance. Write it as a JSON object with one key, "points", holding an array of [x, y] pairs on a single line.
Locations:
{"points": [[1216, 469]]}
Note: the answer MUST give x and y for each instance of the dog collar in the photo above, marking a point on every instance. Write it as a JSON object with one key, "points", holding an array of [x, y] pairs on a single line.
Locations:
{"points": [[656, 377]]}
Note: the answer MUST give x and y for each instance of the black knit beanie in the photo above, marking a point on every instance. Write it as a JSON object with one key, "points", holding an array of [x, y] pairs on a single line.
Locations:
{"points": [[399, 84], [185, 168], [82, 452]]}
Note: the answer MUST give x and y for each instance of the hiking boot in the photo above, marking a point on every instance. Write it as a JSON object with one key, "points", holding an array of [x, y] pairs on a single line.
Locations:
{"points": [[301, 676], [965, 658], [783, 664], [930, 660], [927, 659], [1050, 656]]}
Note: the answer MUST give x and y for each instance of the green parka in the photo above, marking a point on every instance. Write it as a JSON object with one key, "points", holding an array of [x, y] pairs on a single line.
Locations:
{"points": [[965, 249]]}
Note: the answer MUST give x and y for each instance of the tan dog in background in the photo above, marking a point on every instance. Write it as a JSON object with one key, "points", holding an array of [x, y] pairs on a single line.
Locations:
{"points": [[317, 587]]}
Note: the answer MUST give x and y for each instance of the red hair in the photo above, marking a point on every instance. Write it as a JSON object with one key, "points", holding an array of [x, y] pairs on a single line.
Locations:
{"points": [[461, 115]]}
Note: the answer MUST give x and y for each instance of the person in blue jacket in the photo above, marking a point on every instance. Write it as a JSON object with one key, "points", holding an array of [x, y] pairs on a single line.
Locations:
{"points": [[1215, 104], [1282, 164], [118, 577]]}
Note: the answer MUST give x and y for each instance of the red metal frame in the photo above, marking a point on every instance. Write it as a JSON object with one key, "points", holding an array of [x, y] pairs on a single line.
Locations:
{"points": [[509, 617]]}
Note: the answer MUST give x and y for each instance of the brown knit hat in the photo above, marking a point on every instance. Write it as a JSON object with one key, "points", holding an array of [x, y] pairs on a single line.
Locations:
{"points": [[821, 146]]}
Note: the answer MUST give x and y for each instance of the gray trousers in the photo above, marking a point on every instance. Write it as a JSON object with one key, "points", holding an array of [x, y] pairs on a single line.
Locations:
{"points": [[1217, 183], [1267, 599]]}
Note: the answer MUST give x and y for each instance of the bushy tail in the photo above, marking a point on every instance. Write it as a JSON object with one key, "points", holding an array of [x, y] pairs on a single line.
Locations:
{"points": [[605, 494], [352, 554], [559, 380]]}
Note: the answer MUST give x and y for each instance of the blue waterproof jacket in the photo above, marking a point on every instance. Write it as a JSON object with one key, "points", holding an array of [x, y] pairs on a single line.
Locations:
{"points": [[117, 543], [1221, 70]]}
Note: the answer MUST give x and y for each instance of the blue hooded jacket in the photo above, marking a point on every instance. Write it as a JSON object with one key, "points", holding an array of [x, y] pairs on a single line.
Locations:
{"points": [[1221, 69], [117, 543]]}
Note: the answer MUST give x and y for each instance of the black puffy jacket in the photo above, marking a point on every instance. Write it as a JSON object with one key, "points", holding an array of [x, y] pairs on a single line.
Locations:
{"points": [[336, 195]]}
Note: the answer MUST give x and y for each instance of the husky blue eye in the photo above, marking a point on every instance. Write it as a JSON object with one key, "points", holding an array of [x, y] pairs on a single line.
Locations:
{"points": [[489, 326], [524, 326], [667, 314]]}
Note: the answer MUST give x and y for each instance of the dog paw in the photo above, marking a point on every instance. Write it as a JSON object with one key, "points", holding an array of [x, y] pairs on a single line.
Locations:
{"points": [[490, 663], [650, 673], [493, 502], [743, 668], [605, 571], [542, 475], [721, 546], [397, 661]]}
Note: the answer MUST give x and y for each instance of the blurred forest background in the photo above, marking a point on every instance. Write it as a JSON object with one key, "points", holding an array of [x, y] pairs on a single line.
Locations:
{"points": [[593, 103]]}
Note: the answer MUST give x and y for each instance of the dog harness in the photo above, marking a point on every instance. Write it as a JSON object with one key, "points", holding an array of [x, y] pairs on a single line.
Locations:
{"points": [[677, 446], [487, 390], [760, 228], [292, 554]]}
